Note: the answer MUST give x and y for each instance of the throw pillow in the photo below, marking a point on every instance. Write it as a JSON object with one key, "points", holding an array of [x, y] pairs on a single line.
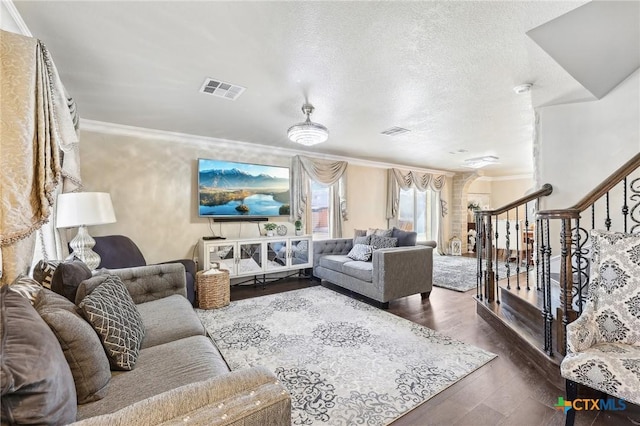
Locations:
{"points": [[383, 242], [362, 240], [37, 385], [26, 287], [379, 232], [405, 238], [80, 345], [359, 232], [68, 276], [43, 271], [87, 286], [360, 252], [112, 313], [614, 289]]}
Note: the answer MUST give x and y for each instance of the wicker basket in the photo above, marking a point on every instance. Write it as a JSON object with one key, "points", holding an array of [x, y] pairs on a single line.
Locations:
{"points": [[212, 290]]}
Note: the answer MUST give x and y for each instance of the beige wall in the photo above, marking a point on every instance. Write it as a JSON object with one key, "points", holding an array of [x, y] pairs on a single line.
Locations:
{"points": [[367, 198], [153, 185]]}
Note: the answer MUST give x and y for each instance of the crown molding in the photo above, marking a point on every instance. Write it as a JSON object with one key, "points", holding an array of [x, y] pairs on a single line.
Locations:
{"points": [[145, 133], [17, 18], [501, 178]]}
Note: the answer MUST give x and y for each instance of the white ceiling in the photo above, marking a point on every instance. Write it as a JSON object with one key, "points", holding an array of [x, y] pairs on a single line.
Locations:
{"points": [[445, 70]]}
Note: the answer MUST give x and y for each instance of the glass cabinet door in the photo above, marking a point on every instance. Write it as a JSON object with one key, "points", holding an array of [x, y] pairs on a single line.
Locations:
{"points": [[250, 258], [276, 255], [225, 255], [300, 252]]}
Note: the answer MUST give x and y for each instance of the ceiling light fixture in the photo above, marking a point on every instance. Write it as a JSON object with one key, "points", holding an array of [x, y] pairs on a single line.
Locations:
{"points": [[308, 133], [479, 162], [523, 88]]}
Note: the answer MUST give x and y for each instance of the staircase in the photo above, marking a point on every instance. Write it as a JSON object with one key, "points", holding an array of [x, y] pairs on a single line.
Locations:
{"points": [[532, 307]]}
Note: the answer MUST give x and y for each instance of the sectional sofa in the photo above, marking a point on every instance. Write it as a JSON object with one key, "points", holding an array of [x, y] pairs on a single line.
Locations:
{"points": [[54, 369]]}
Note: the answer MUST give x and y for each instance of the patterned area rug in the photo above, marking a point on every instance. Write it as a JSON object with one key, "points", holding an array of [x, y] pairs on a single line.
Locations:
{"points": [[344, 362], [459, 273]]}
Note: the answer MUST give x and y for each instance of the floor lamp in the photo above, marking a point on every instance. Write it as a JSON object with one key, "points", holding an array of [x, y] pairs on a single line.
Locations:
{"points": [[82, 209]]}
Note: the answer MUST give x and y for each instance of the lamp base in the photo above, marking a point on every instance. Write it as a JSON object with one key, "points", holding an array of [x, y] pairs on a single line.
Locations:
{"points": [[82, 245]]}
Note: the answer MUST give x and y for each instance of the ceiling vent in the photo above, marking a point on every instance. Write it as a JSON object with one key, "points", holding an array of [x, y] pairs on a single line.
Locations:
{"points": [[221, 89], [394, 131]]}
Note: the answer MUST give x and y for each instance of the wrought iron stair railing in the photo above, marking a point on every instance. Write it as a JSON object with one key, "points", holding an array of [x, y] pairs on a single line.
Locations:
{"points": [[507, 231], [612, 205]]}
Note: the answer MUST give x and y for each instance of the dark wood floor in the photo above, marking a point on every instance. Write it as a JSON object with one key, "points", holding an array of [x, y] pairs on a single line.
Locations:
{"points": [[507, 391]]}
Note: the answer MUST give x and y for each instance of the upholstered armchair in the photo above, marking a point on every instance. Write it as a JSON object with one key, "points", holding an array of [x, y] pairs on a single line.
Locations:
{"points": [[118, 251], [603, 344]]}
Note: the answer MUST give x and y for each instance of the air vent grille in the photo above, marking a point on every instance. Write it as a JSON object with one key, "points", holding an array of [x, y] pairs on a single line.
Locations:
{"points": [[394, 131], [221, 89]]}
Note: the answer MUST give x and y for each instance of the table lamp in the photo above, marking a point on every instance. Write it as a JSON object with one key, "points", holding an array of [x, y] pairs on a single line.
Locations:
{"points": [[82, 209]]}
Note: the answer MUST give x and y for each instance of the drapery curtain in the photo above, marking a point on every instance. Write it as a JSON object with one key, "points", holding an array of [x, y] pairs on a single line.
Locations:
{"points": [[325, 172], [38, 148], [397, 180]]}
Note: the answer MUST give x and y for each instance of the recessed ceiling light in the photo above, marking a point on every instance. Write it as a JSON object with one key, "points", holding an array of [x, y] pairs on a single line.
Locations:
{"points": [[479, 162], [523, 88]]}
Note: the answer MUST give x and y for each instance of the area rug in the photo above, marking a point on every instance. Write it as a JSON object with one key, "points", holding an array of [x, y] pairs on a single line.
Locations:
{"points": [[343, 362], [459, 273]]}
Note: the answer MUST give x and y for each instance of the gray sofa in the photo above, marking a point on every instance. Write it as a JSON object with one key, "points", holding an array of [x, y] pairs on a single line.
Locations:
{"points": [[179, 377], [392, 272]]}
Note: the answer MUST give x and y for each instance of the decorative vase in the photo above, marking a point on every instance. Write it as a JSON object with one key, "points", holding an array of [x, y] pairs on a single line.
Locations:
{"points": [[298, 232], [270, 234]]}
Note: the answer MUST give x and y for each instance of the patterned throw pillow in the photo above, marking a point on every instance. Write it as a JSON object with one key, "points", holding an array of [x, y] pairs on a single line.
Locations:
{"points": [[614, 289], [26, 287], [361, 252], [383, 242], [43, 271], [112, 313]]}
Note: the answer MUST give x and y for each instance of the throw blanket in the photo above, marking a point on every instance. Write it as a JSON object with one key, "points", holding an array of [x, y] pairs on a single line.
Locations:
{"points": [[36, 126]]}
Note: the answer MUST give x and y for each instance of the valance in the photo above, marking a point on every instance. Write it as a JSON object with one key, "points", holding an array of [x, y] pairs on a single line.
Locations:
{"points": [[327, 173]]}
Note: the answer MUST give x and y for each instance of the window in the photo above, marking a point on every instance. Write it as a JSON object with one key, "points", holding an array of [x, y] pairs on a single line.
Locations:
{"points": [[417, 212], [320, 214]]}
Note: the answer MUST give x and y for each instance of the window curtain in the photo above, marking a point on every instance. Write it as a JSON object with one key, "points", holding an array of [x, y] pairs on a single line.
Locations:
{"points": [[397, 180], [325, 172], [39, 149]]}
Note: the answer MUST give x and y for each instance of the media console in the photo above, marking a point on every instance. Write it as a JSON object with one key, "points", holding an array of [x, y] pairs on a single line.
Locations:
{"points": [[257, 256]]}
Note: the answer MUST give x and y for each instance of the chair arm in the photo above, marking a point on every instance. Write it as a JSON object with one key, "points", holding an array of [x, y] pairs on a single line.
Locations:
{"points": [[582, 333], [333, 246], [249, 397], [147, 283], [401, 271]]}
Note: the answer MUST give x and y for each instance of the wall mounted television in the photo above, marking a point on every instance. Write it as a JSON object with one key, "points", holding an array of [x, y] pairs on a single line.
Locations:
{"points": [[243, 191]]}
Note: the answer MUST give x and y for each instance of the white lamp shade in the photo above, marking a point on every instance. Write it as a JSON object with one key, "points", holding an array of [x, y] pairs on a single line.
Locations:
{"points": [[84, 208]]}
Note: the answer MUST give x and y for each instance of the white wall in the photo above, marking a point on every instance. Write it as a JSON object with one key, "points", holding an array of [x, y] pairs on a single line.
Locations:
{"points": [[9, 17], [583, 143]]}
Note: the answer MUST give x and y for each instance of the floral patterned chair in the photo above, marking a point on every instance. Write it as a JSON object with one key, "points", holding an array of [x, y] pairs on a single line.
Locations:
{"points": [[603, 344]]}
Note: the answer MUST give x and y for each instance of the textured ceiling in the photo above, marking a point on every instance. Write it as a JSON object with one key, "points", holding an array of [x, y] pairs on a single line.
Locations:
{"points": [[444, 70]]}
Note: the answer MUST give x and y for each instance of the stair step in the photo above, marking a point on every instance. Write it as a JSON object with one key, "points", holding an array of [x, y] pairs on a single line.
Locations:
{"points": [[528, 340]]}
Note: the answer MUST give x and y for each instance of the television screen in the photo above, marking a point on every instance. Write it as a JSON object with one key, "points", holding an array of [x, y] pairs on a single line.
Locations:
{"points": [[228, 189]]}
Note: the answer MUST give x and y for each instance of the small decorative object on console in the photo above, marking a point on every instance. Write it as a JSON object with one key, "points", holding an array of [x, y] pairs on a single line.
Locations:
{"points": [[456, 246], [281, 230], [298, 225]]}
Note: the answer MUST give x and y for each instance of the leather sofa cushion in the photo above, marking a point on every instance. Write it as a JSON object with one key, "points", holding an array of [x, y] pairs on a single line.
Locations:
{"points": [[359, 269], [334, 261], [159, 369], [36, 382], [168, 319]]}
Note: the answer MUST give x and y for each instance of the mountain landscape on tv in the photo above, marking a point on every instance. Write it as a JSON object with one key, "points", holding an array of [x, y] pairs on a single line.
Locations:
{"points": [[225, 192]]}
